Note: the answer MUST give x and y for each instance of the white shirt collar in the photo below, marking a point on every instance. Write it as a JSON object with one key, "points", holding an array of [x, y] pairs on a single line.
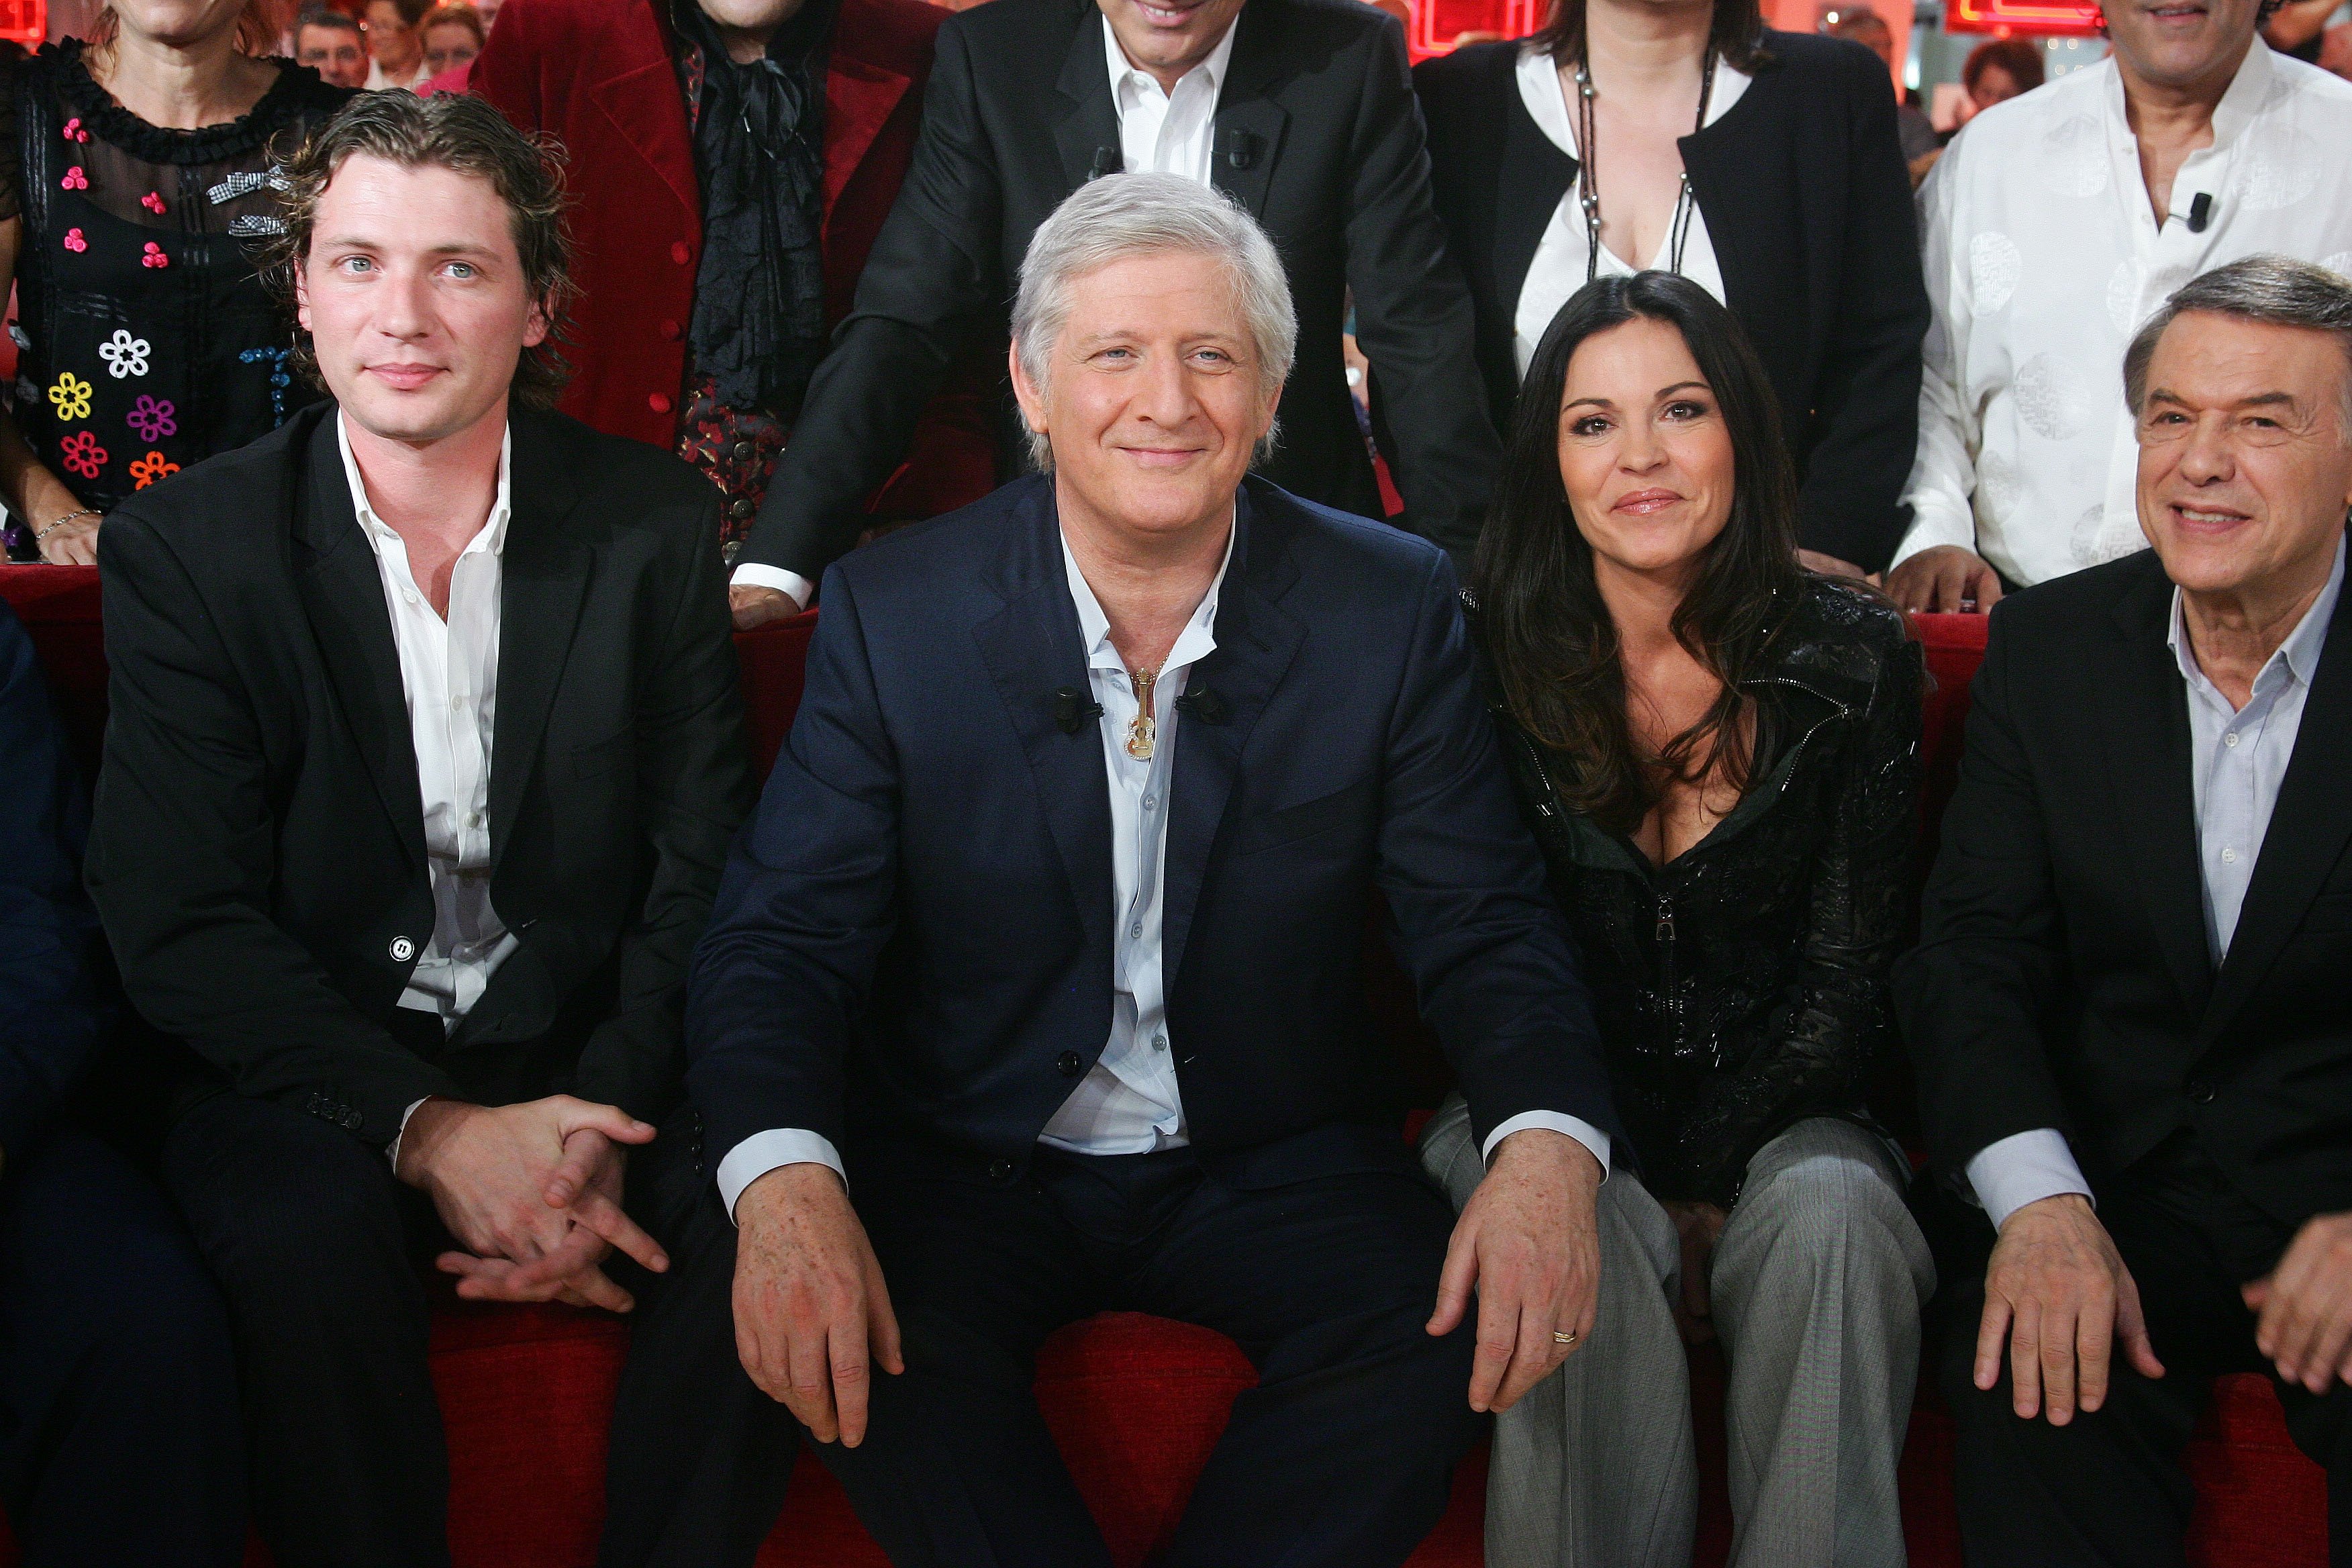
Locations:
{"points": [[2299, 654], [1126, 77], [1194, 643], [1546, 95], [492, 538], [2247, 92]]}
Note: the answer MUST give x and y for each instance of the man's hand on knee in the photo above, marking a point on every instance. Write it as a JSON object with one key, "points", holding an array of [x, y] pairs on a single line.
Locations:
{"points": [[2056, 1289], [1528, 1242], [811, 1312], [2306, 1305]]}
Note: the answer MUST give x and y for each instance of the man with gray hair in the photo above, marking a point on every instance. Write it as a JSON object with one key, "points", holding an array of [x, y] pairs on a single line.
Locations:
{"points": [[1046, 947], [2129, 1006]]}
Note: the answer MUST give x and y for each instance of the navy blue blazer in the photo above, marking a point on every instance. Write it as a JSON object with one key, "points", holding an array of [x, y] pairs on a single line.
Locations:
{"points": [[914, 933], [50, 1019]]}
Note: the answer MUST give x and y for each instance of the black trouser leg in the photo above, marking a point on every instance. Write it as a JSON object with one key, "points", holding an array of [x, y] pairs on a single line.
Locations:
{"points": [[1343, 1454], [308, 1232], [119, 1435], [958, 1469], [699, 1457]]}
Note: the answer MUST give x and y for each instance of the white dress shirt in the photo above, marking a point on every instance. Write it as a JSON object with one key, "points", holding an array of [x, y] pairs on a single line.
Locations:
{"points": [[1129, 1103], [2042, 258], [1160, 133], [1557, 270], [2238, 758]]}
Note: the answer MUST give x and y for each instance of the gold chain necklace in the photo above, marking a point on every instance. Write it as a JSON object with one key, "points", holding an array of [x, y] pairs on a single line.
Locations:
{"points": [[1143, 729]]}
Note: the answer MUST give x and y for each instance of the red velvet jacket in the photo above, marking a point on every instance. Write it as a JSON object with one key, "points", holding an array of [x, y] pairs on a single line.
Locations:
{"points": [[598, 74]]}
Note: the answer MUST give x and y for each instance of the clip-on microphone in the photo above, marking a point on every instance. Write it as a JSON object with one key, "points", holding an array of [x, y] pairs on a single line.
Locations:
{"points": [[1106, 162], [1071, 709], [1236, 144], [2201, 213]]}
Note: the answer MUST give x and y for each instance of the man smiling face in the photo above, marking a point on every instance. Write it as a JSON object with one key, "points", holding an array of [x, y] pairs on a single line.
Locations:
{"points": [[2245, 455], [2180, 44], [1169, 37]]}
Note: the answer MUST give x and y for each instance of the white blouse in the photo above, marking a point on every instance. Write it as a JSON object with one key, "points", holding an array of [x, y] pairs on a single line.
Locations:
{"points": [[1557, 270]]}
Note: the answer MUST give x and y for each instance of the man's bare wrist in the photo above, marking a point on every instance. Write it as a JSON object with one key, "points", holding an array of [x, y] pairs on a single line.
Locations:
{"points": [[1548, 1143], [787, 1186], [2052, 1204], [429, 1127]]}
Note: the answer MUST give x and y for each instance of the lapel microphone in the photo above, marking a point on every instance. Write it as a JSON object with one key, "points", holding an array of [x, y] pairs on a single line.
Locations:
{"points": [[1107, 161], [1234, 144], [1205, 705], [1071, 709], [2201, 213]]}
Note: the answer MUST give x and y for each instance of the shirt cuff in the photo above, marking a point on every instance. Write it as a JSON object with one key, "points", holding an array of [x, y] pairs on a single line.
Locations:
{"points": [[1935, 520], [773, 1150], [1583, 1131], [392, 1153], [791, 584], [2023, 1168]]}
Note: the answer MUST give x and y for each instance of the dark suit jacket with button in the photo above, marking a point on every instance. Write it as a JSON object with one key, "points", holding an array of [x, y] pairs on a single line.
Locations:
{"points": [[258, 850], [914, 936], [1808, 206], [1317, 135], [2063, 977]]}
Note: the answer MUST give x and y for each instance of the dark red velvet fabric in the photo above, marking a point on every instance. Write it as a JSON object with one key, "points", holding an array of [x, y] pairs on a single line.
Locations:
{"points": [[1136, 1402]]}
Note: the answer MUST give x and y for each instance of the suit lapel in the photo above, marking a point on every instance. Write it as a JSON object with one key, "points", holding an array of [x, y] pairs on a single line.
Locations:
{"points": [[1248, 113], [1533, 177], [1031, 649], [1257, 640], [1088, 123], [544, 575], [860, 95], [2308, 827], [647, 112], [2147, 730], [343, 590]]}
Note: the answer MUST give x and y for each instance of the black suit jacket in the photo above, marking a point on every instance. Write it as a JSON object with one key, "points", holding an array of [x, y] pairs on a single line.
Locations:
{"points": [[2063, 976], [915, 932], [258, 849], [1808, 208], [1317, 135]]}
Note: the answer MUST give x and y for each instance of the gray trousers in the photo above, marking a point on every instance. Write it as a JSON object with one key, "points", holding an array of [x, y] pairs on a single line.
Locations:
{"points": [[1816, 1287]]}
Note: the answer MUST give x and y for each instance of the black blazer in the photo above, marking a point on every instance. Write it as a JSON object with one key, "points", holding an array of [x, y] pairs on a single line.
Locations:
{"points": [[257, 851], [2063, 976], [1317, 135], [914, 935], [1808, 208]]}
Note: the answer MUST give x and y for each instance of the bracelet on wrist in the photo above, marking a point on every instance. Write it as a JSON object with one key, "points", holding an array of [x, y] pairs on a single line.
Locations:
{"points": [[56, 523]]}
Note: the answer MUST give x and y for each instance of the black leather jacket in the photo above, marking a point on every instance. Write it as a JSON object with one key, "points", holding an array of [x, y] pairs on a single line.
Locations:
{"points": [[1742, 987]]}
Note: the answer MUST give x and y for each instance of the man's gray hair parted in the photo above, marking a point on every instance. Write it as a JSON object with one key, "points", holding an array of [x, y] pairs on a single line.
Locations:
{"points": [[1120, 216], [2277, 290]]}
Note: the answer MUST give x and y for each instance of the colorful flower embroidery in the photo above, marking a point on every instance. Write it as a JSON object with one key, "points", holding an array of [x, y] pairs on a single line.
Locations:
{"points": [[83, 454], [72, 131], [71, 397], [75, 242], [124, 354], [153, 203], [154, 419], [155, 257], [75, 179], [146, 471]]}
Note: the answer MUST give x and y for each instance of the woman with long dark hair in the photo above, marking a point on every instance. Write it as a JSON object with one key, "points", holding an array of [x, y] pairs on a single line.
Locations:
{"points": [[135, 173], [1718, 752], [1683, 135]]}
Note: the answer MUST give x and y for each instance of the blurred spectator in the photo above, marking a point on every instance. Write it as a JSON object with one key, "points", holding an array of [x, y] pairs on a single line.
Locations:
{"points": [[1823, 274], [2335, 50], [1868, 28], [453, 35], [396, 55], [1998, 70], [333, 44], [1300, 109], [2296, 27], [487, 10], [2054, 224], [729, 180], [147, 343]]}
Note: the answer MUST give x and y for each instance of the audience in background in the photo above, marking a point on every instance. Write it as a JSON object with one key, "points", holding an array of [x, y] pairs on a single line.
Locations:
{"points": [[395, 51], [2054, 226], [423, 753], [2129, 986], [1718, 754], [119, 1433], [730, 165], [1861, 24], [332, 44], [1998, 70], [453, 34], [1300, 109], [133, 169], [1828, 289]]}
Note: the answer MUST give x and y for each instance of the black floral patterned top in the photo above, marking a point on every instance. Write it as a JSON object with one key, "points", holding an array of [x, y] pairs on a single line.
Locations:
{"points": [[147, 342]]}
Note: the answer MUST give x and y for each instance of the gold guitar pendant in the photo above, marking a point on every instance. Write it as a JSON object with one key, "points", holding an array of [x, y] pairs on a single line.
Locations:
{"points": [[1142, 729]]}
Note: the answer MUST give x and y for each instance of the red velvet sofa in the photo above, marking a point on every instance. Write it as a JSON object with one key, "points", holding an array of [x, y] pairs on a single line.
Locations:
{"points": [[1136, 1402]]}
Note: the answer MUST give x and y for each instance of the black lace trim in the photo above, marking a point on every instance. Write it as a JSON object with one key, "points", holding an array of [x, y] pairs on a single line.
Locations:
{"points": [[296, 91]]}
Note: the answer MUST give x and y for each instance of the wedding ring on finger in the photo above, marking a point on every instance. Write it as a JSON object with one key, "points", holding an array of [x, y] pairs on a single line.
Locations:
{"points": [[1566, 1337]]}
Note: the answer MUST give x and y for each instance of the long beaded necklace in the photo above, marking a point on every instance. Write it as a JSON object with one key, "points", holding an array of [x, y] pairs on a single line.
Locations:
{"points": [[1588, 179]]}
